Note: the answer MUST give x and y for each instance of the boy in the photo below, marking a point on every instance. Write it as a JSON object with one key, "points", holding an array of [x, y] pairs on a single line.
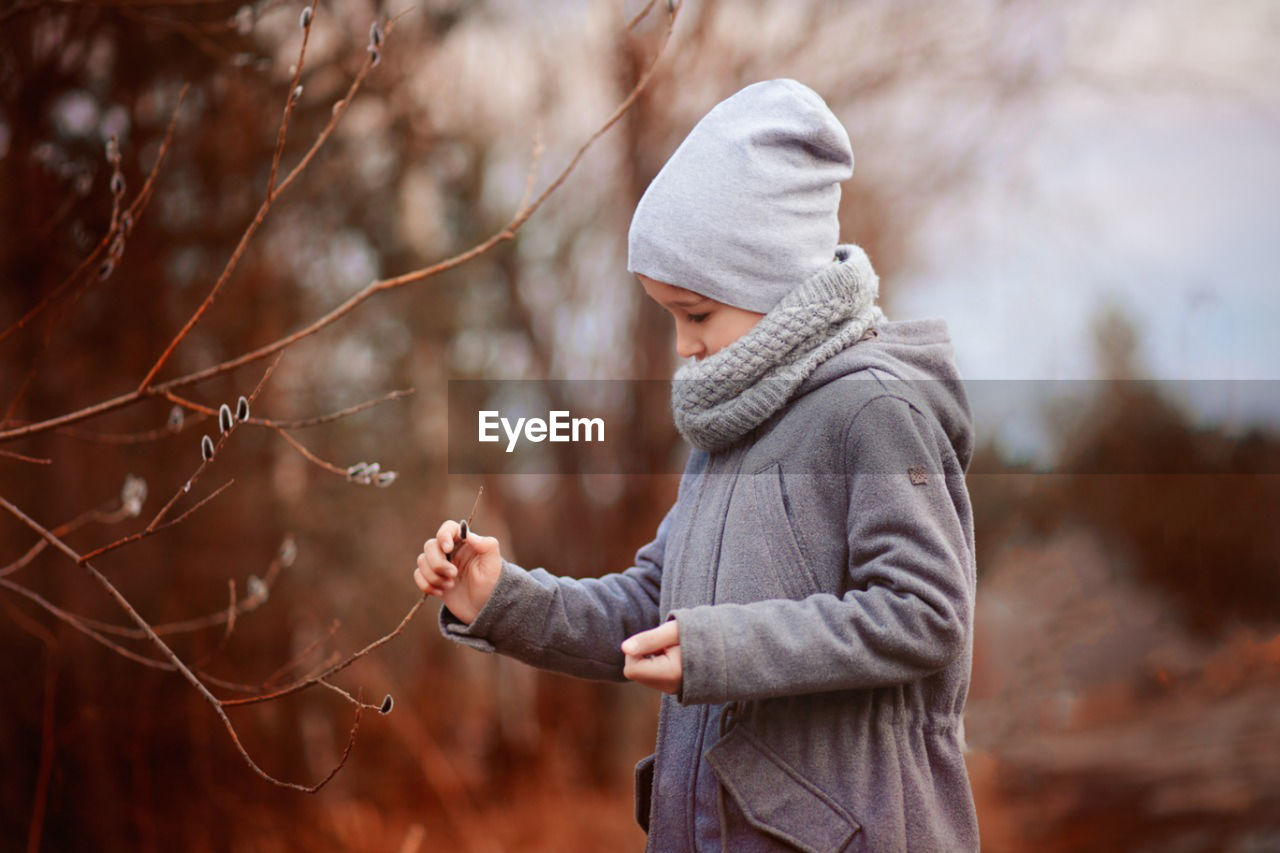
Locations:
{"points": [[806, 606]]}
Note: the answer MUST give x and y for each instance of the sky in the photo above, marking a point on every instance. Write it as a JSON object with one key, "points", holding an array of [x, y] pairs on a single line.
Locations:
{"points": [[1160, 202]]}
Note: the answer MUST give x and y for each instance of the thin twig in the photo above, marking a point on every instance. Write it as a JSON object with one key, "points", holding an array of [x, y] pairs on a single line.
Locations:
{"points": [[101, 515], [79, 623], [641, 15], [300, 656], [297, 423], [304, 683], [239, 687], [290, 103], [42, 230], [40, 799], [131, 437], [205, 463], [300, 423], [352, 699], [35, 460], [535, 160], [226, 634], [231, 613], [311, 457], [202, 412], [297, 445], [198, 623], [151, 531]]}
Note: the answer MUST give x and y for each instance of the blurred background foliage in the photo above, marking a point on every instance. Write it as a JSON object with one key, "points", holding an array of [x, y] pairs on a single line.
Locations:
{"points": [[1127, 659]]}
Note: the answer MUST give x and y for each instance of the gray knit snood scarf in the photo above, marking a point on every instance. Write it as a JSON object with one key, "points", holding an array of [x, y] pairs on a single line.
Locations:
{"points": [[724, 396]]}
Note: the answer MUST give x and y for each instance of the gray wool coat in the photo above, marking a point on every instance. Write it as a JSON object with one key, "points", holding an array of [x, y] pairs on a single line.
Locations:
{"points": [[821, 571]]}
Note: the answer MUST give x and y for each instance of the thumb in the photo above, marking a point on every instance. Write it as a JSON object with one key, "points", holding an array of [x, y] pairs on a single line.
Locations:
{"points": [[482, 544], [646, 642]]}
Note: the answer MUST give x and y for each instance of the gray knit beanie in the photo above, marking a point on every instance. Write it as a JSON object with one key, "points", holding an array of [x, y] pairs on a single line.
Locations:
{"points": [[746, 208]]}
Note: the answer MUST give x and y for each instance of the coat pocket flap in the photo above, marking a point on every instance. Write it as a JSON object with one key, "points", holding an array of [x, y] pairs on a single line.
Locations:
{"points": [[775, 798], [644, 790]]}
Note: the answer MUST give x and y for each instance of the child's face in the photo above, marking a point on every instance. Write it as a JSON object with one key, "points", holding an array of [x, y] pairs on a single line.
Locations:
{"points": [[703, 326]]}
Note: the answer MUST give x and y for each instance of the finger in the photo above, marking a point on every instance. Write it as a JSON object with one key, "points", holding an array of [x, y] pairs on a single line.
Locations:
{"points": [[437, 563], [634, 669], [425, 585], [638, 644], [431, 583], [653, 640], [659, 669], [446, 534]]}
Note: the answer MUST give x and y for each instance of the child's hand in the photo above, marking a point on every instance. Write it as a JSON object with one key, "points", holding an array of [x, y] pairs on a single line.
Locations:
{"points": [[466, 583], [653, 657]]}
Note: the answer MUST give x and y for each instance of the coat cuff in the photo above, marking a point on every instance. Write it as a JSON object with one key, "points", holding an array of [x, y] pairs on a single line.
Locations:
{"points": [[499, 618], [702, 655]]}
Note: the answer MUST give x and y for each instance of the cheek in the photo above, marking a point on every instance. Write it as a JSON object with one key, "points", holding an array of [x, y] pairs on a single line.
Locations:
{"points": [[733, 328], [719, 335]]}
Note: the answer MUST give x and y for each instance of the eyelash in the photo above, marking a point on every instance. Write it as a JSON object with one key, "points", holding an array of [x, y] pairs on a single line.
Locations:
{"points": [[697, 318]]}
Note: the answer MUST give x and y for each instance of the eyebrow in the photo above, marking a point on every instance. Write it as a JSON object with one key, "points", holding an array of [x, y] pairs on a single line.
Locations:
{"points": [[688, 303]]}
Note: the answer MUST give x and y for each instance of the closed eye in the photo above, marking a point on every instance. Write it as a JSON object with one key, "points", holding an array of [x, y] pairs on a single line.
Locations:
{"points": [[698, 318]]}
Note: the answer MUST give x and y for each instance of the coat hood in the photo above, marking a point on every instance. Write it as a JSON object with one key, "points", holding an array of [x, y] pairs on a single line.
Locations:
{"points": [[917, 357]]}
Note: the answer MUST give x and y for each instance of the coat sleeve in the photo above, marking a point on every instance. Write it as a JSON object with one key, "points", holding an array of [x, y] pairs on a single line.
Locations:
{"points": [[575, 626], [906, 611]]}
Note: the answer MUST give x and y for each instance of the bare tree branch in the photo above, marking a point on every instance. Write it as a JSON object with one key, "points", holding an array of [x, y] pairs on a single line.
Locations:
{"points": [[173, 659], [148, 390], [150, 387], [265, 207], [101, 515], [117, 222]]}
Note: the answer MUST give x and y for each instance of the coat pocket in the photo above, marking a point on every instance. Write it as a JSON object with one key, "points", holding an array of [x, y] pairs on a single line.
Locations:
{"points": [[644, 790], [774, 799], [790, 563]]}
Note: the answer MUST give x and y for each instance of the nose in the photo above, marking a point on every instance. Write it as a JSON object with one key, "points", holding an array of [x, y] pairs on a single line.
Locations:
{"points": [[687, 346]]}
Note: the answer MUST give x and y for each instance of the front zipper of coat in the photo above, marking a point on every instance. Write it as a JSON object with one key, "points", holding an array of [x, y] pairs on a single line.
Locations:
{"points": [[705, 790], [676, 546], [718, 465]]}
